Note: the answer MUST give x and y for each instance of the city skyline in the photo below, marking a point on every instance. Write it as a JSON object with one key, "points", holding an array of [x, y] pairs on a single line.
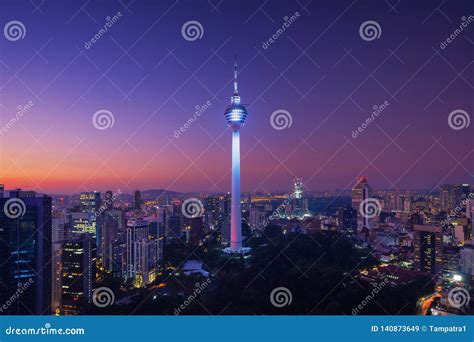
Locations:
{"points": [[146, 73]]}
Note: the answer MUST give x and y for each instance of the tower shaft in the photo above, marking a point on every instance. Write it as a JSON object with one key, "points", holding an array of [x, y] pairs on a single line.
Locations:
{"points": [[236, 221]]}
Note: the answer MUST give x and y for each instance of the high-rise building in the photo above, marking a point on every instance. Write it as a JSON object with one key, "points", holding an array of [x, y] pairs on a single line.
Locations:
{"points": [[235, 116], [137, 200], [361, 192], [25, 252], [113, 225], [347, 219], [78, 273], [90, 202], [298, 197], [143, 253], [109, 200], [58, 236], [428, 245], [466, 260]]}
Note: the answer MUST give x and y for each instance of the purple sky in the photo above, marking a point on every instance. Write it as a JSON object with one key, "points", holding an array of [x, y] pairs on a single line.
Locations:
{"points": [[150, 78]]}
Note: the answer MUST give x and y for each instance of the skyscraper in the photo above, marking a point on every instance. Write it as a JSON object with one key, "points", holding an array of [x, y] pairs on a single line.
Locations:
{"points": [[360, 192], [137, 200], [78, 273], [235, 115], [428, 243], [25, 252]]}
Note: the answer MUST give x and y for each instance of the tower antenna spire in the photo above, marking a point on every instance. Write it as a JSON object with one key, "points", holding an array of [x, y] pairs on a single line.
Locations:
{"points": [[236, 90]]}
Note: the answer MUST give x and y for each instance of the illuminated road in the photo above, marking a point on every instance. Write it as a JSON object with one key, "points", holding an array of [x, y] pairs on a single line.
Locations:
{"points": [[424, 304]]}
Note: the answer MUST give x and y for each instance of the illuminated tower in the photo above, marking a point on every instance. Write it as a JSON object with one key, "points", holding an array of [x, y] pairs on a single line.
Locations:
{"points": [[235, 114]]}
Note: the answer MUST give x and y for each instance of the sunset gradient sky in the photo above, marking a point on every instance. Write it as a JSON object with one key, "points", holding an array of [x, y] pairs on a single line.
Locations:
{"points": [[320, 70]]}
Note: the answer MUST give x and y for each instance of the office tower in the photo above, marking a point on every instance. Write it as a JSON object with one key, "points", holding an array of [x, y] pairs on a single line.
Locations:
{"points": [[81, 223], [235, 116], [58, 222], [113, 225], [428, 244], [360, 192], [143, 253], [257, 218], [451, 256], [466, 261], [347, 219], [460, 195], [2, 190], [109, 200], [298, 198], [173, 227], [137, 200], [90, 204], [78, 273], [195, 226], [470, 214], [211, 209], [25, 252], [90, 201]]}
